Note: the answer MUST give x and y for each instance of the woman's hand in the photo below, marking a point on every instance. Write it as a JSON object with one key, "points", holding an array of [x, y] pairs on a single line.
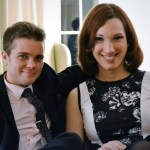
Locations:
{"points": [[113, 145]]}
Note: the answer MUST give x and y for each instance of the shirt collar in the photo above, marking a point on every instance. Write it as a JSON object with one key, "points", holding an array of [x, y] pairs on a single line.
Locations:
{"points": [[15, 90]]}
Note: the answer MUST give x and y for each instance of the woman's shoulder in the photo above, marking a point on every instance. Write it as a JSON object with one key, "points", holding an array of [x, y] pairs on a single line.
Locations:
{"points": [[138, 74], [146, 77]]}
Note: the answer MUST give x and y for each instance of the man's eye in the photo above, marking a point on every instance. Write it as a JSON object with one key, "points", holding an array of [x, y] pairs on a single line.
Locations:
{"points": [[40, 58], [99, 39], [23, 56]]}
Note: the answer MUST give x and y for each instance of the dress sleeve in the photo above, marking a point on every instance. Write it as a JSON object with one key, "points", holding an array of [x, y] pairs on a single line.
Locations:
{"points": [[145, 105]]}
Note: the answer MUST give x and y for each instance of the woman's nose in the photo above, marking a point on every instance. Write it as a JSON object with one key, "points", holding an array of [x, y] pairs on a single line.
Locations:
{"points": [[108, 46]]}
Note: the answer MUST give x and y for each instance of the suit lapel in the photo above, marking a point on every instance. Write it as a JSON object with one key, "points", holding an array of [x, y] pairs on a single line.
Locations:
{"points": [[47, 94], [5, 103]]}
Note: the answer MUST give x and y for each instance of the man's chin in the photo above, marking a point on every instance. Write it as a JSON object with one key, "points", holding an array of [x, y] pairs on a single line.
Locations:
{"points": [[27, 83]]}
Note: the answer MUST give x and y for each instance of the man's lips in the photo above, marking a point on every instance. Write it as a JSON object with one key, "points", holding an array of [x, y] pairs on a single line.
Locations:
{"points": [[29, 72]]}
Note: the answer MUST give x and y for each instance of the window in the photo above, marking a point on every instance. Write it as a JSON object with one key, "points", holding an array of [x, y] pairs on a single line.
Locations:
{"points": [[72, 15]]}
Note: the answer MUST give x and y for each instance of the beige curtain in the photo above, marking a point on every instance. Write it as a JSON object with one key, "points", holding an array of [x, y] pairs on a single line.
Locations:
{"points": [[12, 11]]}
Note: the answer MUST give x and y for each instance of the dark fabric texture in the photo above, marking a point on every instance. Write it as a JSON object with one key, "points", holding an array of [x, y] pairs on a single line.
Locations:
{"points": [[65, 141], [140, 145], [52, 89]]}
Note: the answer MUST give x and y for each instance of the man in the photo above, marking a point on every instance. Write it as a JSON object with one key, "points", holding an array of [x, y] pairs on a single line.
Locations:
{"points": [[23, 52]]}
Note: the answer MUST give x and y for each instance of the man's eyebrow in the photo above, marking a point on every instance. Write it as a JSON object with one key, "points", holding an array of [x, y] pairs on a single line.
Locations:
{"points": [[23, 53], [40, 56]]}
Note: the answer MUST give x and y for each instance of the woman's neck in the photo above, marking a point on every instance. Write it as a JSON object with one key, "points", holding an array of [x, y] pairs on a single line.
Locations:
{"points": [[112, 75]]}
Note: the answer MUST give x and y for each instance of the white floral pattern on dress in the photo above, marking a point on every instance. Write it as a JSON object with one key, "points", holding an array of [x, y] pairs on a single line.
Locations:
{"points": [[118, 104]]}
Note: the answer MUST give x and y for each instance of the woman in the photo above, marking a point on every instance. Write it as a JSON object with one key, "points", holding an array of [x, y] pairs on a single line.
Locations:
{"points": [[112, 105]]}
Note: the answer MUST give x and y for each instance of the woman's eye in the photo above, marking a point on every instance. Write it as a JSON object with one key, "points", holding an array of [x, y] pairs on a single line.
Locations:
{"points": [[117, 38], [99, 39]]}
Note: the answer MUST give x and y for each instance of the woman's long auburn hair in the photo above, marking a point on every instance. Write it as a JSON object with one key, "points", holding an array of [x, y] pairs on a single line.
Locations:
{"points": [[95, 19]]}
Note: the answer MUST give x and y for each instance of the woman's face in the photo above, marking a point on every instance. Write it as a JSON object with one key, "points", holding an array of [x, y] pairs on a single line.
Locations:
{"points": [[110, 46]]}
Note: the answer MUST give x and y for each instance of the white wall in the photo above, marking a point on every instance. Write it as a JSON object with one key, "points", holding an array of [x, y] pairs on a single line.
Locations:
{"points": [[52, 19], [52, 27], [139, 13]]}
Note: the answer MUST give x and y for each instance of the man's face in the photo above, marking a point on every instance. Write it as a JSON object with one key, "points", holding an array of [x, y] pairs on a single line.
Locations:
{"points": [[25, 62]]}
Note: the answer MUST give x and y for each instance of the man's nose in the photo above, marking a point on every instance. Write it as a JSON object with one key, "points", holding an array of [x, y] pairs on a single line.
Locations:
{"points": [[31, 63]]}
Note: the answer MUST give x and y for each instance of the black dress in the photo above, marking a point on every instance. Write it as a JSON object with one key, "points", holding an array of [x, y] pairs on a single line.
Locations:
{"points": [[112, 110]]}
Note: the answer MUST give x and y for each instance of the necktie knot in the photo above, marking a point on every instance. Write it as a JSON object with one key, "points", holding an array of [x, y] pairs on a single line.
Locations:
{"points": [[33, 99], [27, 93]]}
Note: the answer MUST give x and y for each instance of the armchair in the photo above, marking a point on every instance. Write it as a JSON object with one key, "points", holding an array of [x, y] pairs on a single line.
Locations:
{"points": [[58, 57]]}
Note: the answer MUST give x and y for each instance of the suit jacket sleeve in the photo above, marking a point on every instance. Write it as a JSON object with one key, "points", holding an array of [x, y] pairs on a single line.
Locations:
{"points": [[64, 81], [70, 78]]}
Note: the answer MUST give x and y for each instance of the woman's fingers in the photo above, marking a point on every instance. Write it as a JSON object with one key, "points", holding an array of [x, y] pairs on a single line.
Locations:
{"points": [[113, 145]]}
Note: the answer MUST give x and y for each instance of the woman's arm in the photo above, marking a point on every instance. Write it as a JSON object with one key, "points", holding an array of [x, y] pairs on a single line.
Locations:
{"points": [[74, 121]]}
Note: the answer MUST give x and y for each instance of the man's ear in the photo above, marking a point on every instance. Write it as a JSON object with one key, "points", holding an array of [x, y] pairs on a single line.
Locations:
{"points": [[4, 56]]}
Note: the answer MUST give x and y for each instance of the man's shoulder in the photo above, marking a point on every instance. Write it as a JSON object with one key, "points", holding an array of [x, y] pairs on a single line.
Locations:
{"points": [[48, 69], [1, 79], [48, 72], [48, 76]]}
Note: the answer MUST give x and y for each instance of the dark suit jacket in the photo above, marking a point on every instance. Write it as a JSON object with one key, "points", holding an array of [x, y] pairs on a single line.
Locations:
{"points": [[52, 89]]}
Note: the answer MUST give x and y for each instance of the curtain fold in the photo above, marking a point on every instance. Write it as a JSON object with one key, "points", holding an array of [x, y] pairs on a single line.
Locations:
{"points": [[12, 11]]}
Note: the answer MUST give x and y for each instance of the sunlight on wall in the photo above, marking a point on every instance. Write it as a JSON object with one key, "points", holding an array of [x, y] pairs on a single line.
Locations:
{"points": [[139, 14]]}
